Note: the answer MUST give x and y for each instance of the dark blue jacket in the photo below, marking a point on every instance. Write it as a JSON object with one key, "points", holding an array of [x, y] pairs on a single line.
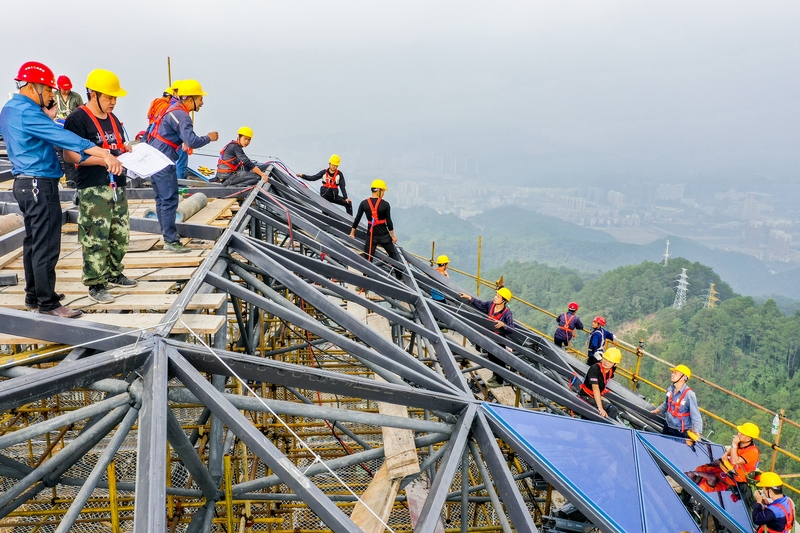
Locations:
{"points": [[177, 127], [598, 339], [574, 323], [773, 516], [506, 317]]}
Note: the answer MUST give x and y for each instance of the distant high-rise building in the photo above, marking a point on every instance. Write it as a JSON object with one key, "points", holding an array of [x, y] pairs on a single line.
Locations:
{"points": [[615, 199], [670, 191]]}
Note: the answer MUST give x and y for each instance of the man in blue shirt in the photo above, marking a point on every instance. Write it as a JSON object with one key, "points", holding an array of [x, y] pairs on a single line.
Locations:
{"points": [[597, 340], [31, 138], [681, 413], [173, 128]]}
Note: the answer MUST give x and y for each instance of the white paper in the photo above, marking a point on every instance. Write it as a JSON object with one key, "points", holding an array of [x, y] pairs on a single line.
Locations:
{"points": [[144, 160]]}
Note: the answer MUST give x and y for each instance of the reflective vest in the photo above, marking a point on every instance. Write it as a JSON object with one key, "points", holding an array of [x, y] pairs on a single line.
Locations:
{"points": [[119, 141], [226, 166], [567, 321], [331, 182], [374, 221], [674, 407], [606, 377], [154, 133], [788, 513]]}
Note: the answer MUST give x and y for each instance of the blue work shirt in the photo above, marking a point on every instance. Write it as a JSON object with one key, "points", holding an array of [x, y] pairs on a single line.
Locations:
{"points": [[598, 339], [31, 137], [685, 404], [176, 126]]}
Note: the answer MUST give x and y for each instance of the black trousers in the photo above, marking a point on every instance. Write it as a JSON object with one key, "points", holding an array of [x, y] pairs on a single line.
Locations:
{"points": [[70, 171], [561, 342], [332, 195], [388, 247], [42, 243]]}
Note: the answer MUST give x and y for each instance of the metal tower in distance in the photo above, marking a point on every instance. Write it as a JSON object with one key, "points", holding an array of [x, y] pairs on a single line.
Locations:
{"points": [[713, 298], [682, 289], [666, 255]]}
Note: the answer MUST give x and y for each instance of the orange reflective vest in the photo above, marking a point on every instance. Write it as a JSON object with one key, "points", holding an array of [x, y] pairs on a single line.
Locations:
{"points": [[751, 455]]}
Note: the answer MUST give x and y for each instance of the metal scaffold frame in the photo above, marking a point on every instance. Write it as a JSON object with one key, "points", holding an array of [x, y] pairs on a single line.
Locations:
{"points": [[318, 370]]}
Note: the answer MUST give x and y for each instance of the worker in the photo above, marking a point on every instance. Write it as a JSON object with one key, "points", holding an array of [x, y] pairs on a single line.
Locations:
{"points": [[681, 414], [332, 182], [597, 340], [159, 105], [734, 465], [30, 137], [441, 267], [67, 101], [567, 322], [595, 385], [379, 222], [499, 312], [171, 129], [234, 168], [773, 512], [103, 219]]}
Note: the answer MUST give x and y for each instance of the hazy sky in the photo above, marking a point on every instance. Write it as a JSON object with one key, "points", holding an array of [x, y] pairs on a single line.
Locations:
{"points": [[543, 91]]}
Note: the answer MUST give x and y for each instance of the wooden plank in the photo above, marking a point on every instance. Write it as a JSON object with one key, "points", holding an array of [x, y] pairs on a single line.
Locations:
{"points": [[130, 302], [139, 274], [505, 395], [200, 324], [416, 494], [74, 287], [379, 497], [138, 260], [212, 211]]}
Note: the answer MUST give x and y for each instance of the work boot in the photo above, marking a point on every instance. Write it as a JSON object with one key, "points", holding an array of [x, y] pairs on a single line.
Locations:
{"points": [[63, 312], [33, 303], [176, 247], [493, 383], [100, 294], [122, 281]]}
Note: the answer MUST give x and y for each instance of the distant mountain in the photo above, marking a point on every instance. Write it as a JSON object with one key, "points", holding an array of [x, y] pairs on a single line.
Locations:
{"points": [[516, 234]]}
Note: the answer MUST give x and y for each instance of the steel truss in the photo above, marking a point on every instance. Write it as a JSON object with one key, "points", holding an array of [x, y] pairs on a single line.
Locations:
{"points": [[209, 456]]}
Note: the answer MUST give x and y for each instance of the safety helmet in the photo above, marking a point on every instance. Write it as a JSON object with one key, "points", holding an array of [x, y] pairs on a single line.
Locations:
{"points": [[104, 82], [683, 369], [378, 184], [505, 293], [64, 83], [35, 72], [573, 306], [172, 88], [613, 354], [189, 88], [335, 160], [442, 259], [769, 479], [600, 320], [749, 430], [246, 131]]}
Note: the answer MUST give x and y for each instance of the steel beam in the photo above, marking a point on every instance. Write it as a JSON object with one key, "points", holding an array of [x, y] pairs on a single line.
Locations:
{"points": [[194, 465]]}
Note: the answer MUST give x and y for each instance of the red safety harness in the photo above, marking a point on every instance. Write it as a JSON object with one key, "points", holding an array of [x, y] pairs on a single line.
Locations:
{"points": [[499, 314], [673, 407], [606, 377], [788, 513], [567, 321], [374, 221], [119, 141], [222, 163], [157, 125], [332, 182]]}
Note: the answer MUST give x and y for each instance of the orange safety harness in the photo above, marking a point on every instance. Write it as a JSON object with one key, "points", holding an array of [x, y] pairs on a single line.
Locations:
{"points": [[331, 182], [374, 221], [157, 125], [222, 163], [119, 141], [606, 376], [157, 107], [788, 513], [673, 407], [499, 314], [567, 330]]}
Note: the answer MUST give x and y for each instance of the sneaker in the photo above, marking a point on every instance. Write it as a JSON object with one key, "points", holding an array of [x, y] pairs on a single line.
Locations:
{"points": [[122, 281], [99, 294], [176, 247], [493, 383]]}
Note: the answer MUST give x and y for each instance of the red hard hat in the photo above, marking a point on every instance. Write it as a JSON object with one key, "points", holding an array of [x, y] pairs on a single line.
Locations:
{"points": [[573, 306], [600, 320], [64, 83], [35, 72]]}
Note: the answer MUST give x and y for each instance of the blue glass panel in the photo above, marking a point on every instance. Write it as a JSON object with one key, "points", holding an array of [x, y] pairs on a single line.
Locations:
{"points": [[663, 510], [686, 458], [597, 459]]}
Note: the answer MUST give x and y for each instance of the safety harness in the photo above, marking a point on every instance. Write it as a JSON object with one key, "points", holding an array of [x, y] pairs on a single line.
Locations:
{"points": [[606, 377], [788, 513], [223, 163], [374, 221], [154, 133], [498, 315], [674, 407], [119, 141], [565, 328], [331, 182]]}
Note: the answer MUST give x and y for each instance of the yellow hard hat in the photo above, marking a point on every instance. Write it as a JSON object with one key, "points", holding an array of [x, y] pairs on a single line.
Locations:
{"points": [[335, 160], [172, 88], [770, 479], [505, 293], [104, 82], [378, 184], [683, 369], [246, 131], [613, 354], [189, 88], [749, 429], [442, 259]]}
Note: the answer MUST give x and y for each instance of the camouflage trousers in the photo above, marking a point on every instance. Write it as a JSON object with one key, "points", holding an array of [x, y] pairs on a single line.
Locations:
{"points": [[103, 232]]}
